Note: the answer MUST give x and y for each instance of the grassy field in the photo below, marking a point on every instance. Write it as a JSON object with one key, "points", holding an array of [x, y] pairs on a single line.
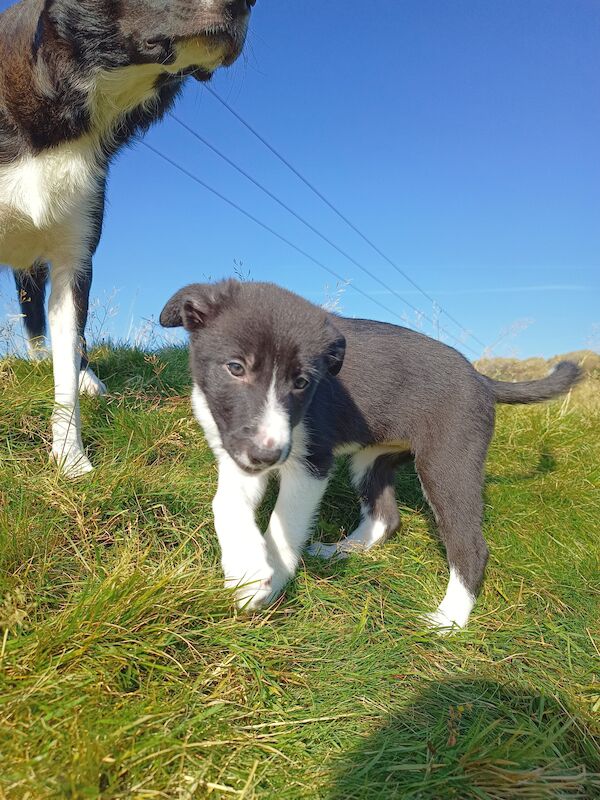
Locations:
{"points": [[125, 673]]}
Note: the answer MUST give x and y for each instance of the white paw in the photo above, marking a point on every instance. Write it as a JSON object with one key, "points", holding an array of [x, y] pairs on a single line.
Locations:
{"points": [[251, 579], [444, 622], [72, 461], [438, 621], [90, 384], [251, 594], [326, 551], [455, 608], [255, 596]]}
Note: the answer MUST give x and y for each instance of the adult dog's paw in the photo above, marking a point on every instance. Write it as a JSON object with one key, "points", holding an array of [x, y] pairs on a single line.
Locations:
{"points": [[90, 384], [72, 461]]}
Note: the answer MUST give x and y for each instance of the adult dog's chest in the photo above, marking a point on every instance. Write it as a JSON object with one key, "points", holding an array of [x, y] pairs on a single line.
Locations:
{"points": [[51, 202], [47, 203]]}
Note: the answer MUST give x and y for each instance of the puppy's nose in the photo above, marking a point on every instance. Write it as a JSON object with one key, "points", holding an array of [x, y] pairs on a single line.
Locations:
{"points": [[239, 8], [264, 456]]}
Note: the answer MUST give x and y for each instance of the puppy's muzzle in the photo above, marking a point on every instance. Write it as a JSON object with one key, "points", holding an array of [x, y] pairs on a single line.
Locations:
{"points": [[260, 458]]}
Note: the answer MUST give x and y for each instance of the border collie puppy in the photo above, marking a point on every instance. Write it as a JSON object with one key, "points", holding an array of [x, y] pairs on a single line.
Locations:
{"points": [[283, 386], [78, 79]]}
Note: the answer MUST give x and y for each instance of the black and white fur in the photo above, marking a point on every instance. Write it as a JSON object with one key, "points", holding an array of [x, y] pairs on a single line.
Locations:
{"points": [[283, 386], [78, 79]]}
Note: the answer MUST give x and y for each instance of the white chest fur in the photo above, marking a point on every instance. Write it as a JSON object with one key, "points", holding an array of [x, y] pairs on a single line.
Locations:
{"points": [[47, 200]]}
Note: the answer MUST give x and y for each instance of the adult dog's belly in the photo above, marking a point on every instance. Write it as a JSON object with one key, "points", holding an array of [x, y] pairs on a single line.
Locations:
{"points": [[22, 244], [48, 205]]}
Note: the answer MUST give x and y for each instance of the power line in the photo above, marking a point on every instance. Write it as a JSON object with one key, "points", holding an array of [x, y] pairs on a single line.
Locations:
{"points": [[279, 236], [339, 214], [311, 227]]}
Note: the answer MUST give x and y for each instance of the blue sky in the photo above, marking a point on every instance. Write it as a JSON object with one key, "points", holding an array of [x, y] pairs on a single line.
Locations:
{"points": [[462, 137]]}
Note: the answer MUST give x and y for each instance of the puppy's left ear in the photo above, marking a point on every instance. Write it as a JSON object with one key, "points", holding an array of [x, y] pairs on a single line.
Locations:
{"points": [[336, 352], [197, 305]]}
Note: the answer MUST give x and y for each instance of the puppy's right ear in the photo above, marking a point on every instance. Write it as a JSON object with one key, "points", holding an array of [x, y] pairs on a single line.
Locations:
{"points": [[195, 306]]}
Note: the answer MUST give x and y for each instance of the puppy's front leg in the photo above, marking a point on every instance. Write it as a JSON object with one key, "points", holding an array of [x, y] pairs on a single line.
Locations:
{"points": [[243, 550], [67, 447], [297, 506]]}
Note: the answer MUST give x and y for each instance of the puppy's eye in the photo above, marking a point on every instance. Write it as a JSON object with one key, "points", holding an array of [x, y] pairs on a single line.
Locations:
{"points": [[236, 369], [301, 383]]}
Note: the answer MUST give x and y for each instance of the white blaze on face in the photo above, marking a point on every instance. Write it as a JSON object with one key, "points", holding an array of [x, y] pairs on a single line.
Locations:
{"points": [[274, 429]]}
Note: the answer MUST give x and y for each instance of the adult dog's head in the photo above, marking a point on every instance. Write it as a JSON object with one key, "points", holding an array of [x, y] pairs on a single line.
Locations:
{"points": [[258, 354], [105, 67], [195, 36]]}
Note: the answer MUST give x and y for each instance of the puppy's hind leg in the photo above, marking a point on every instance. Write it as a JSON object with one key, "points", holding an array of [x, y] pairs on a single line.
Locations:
{"points": [[452, 481], [373, 476], [31, 291]]}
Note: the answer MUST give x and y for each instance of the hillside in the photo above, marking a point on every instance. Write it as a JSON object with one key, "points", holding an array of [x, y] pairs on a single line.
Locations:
{"points": [[509, 369], [125, 672]]}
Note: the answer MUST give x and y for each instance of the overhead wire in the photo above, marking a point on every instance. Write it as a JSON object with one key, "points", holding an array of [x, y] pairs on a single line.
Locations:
{"points": [[340, 214], [309, 225], [281, 237]]}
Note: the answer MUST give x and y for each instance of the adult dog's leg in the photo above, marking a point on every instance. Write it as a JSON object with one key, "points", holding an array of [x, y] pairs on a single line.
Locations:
{"points": [[298, 503], [243, 550], [67, 447], [31, 291], [89, 383]]}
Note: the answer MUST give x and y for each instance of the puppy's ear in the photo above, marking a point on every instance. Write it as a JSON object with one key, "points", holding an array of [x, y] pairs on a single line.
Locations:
{"points": [[197, 305], [336, 352]]}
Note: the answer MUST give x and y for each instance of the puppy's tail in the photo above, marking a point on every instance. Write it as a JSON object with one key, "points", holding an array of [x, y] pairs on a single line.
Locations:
{"points": [[562, 378]]}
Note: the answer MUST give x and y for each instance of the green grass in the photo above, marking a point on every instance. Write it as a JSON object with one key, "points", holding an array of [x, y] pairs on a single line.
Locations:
{"points": [[126, 673]]}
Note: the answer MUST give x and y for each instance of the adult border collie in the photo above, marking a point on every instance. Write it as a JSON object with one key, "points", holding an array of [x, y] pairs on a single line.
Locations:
{"points": [[78, 79], [283, 386]]}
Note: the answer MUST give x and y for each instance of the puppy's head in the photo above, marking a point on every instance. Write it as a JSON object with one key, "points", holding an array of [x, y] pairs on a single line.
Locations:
{"points": [[192, 36], [258, 353]]}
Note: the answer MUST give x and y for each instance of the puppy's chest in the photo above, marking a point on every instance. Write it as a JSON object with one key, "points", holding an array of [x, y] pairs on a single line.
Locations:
{"points": [[43, 194]]}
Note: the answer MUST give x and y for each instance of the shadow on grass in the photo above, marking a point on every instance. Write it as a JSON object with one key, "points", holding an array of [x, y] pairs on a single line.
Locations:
{"points": [[545, 465], [474, 739]]}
